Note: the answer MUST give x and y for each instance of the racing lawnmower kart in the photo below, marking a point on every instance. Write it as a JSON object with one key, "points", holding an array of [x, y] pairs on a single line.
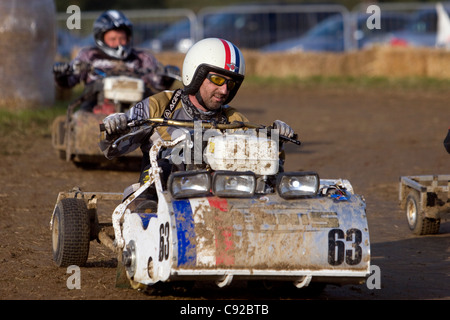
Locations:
{"points": [[75, 135], [234, 215]]}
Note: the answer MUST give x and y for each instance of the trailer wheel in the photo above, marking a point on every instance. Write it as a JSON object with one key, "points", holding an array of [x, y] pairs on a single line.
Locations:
{"points": [[70, 233], [418, 223]]}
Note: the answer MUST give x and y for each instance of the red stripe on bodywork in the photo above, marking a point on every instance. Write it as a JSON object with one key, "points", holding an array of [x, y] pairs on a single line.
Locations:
{"points": [[218, 203], [225, 246], [223, 233]]}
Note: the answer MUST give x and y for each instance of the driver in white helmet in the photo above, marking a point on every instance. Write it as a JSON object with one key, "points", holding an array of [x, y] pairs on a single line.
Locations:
{"points": [[213, 71]]}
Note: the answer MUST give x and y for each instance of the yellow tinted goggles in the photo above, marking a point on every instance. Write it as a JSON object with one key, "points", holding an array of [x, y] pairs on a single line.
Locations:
{"points": [[220, 81]]}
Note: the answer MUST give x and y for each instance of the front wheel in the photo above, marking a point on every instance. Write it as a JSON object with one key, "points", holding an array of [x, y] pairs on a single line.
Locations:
{"points": [[417, 222], [70, 232]]}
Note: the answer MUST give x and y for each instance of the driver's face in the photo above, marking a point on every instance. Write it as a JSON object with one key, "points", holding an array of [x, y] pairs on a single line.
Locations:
{"points": [[115, 38], [214, 96]]}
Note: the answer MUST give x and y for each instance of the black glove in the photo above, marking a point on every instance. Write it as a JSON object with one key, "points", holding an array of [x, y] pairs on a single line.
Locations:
{"points": [[447, 141], [62, 69]]}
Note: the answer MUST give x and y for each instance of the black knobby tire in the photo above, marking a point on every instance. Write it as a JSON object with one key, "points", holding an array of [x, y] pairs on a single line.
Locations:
{"points": [[70, 233], [417, 222]]}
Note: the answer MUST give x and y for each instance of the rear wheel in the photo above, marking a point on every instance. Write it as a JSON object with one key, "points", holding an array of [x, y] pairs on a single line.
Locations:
{"points": [[70, 232], [417, 222]]}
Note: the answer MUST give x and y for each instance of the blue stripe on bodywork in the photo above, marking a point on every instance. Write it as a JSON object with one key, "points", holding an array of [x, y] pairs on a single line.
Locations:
{"points": [[187, 255], [145, 217]]}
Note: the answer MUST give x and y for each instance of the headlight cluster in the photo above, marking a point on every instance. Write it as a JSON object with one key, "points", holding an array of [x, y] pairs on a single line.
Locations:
{"points": [[232, 184], [293, 185], [189, 184], [221, 183]]}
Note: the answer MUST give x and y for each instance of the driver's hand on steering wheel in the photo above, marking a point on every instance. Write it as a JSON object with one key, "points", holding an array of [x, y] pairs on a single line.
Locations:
{"points": [[283, 128], [116, 123]]}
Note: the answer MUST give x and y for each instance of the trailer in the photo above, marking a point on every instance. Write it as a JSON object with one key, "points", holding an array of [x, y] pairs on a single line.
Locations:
{"points": [[425, 199]]}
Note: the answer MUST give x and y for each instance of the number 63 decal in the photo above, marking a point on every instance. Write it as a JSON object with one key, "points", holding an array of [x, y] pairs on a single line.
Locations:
{"points": [[164, 241], [337, 253]]}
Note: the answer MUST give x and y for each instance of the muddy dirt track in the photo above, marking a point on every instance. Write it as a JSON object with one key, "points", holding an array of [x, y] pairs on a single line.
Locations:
{"points": [[369, 136]]}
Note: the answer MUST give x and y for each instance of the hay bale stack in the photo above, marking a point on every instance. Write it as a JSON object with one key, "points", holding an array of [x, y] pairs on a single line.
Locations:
{"points": [[378, 61], [398, 62], [27, 51], [438, 64]]}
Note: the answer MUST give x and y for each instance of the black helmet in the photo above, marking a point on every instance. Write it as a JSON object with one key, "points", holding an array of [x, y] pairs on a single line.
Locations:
{"points": [[113, 20]]}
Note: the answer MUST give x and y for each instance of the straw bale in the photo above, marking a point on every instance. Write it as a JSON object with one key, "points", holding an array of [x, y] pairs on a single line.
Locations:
{"points": [[377, 61]]}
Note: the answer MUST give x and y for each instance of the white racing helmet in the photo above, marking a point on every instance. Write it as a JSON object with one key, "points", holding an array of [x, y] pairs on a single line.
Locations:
{"points": [[212, 55]]}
